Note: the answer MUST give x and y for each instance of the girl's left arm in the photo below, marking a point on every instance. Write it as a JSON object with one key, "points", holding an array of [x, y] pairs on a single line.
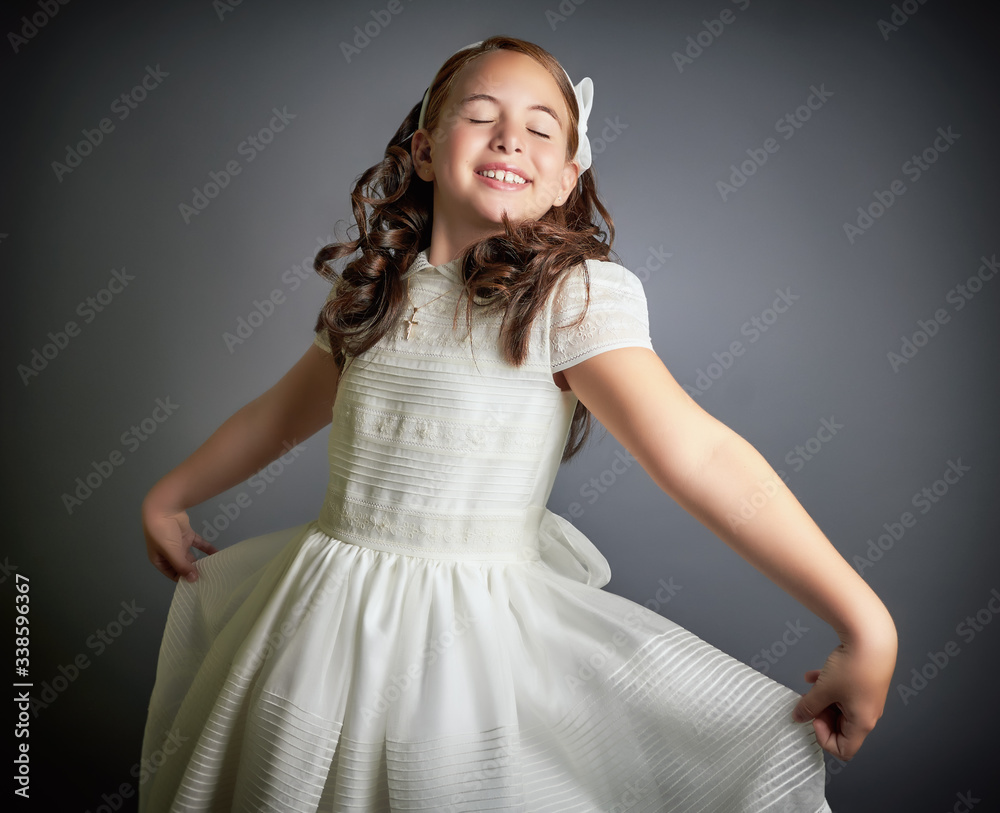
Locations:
{"points": [[710, 470]]}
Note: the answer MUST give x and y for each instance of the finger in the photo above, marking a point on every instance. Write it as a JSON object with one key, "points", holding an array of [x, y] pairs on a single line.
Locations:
{"points": [[811, 704], [852, 733], [164, 566], [178, 554], [182, 567], [838, 734], [812, 675], [203, 546], [827, 732]]}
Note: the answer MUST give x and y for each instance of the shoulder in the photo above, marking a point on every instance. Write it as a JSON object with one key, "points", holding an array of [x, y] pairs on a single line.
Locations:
{"points": [[336, 282], [609, 284], [320, 337], [600, 305]]}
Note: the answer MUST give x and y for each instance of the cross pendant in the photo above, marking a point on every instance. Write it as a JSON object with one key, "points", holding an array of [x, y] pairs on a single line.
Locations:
{"points": [[410, 323]]}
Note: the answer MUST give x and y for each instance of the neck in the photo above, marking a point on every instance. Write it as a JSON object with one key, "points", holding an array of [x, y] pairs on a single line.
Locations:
{"points": [[448, 243]]}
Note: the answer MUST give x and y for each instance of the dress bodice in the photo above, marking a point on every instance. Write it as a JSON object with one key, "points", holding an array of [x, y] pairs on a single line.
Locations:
{"points": [[441, 448]]}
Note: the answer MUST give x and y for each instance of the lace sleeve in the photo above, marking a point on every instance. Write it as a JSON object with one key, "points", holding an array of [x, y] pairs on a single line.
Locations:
{"points": [[617, 315], [320, 339]]}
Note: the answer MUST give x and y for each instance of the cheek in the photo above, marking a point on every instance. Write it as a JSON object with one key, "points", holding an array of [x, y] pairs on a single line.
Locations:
{"points": [[464, 144], [550, 173], [553, 158]]}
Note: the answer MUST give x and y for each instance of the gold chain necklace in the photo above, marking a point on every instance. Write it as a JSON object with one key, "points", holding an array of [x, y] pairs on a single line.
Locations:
{"points": [[412, 321]]}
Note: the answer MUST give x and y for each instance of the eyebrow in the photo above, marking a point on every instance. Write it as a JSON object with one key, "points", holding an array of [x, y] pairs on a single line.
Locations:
{"points": [[475, 97]]}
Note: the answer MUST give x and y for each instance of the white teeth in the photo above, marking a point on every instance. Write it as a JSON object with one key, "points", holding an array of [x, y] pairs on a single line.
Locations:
{"points": [[500, 175]]}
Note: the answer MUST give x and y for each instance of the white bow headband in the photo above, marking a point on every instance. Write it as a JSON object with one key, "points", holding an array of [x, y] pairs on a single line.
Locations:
{"points": [[584, 91]]}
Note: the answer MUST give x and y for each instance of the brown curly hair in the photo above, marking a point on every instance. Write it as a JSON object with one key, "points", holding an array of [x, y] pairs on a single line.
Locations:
{"points": [[515, 270]]}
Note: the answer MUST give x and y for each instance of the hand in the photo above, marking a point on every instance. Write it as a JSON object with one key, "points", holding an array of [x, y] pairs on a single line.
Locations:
{"points": [[848, 694], [169, 540]]}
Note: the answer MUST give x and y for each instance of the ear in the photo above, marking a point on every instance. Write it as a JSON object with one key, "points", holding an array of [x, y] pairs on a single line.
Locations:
{"points": [[570, 174], [420, 150]]}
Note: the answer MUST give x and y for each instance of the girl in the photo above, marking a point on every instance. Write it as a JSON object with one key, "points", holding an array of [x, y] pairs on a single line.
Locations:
{"points": [[436, 639]]}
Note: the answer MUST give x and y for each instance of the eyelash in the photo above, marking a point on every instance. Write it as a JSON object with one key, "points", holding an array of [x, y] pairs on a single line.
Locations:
{"points": [[486, 121]]}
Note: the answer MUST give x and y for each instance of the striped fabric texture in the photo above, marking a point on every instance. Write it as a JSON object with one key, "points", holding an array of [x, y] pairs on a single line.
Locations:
{"points": [[436, 639]]}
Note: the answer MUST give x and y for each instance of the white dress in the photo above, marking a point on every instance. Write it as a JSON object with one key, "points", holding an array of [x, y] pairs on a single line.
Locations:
{"points": [[437, 639]]}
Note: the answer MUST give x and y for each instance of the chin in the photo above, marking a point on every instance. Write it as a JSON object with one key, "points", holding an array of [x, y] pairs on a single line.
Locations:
{"points": [[517, 214], [495, 220]]}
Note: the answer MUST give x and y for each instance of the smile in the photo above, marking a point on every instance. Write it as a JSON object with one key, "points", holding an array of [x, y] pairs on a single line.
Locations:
{"points": [[506, 178]]}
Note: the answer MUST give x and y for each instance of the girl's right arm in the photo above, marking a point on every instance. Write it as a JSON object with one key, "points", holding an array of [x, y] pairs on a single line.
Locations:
{"points": [[295, 408]]}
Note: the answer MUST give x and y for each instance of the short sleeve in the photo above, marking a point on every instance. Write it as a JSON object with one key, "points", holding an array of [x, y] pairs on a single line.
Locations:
{"points": [[321, 339], [617, 315]]}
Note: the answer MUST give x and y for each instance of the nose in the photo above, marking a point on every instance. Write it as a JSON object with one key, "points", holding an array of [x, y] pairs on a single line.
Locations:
{"points": [[506, 137]]}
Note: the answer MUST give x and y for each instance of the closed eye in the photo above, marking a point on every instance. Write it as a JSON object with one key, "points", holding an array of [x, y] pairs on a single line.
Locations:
{"points": [[487, 121]]}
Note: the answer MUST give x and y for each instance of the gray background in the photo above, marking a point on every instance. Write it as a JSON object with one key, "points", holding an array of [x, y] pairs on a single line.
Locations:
{"points": [[678, 133]]}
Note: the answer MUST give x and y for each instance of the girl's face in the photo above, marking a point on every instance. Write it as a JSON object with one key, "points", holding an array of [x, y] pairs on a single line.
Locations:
{"points": [[504, 112]]}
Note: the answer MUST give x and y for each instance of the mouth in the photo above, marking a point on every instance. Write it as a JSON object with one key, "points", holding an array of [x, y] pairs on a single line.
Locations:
{"points": [[506, 177]]}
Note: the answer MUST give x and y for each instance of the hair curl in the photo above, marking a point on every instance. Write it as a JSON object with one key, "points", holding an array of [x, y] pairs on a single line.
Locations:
{"points": [[515, 270]]}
